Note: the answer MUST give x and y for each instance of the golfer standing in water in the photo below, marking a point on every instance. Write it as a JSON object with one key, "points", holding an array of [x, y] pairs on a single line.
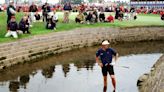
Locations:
{"points": [[106, 55]]}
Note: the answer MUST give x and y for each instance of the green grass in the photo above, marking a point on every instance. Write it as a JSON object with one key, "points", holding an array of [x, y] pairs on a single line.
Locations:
{"points": [[39, 28]]}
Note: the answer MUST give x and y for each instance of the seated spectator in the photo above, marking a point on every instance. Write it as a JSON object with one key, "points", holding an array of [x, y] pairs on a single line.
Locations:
{"points": [[110, 18], [28, 18], [12, 28], [162, 17], [0, 8], [19, 9], [37, 16], [85, 14], [51, 21], [24, 25], [95, 15], [90, 18], [102, 17], [135, 15], [80, 18], [126, 16]]}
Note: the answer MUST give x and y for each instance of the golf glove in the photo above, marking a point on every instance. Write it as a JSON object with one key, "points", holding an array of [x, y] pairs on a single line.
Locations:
{"points": [[113, 63]]}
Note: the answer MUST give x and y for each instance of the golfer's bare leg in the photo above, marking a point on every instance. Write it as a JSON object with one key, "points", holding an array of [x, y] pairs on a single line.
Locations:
{"points": [[113, 81], [105, 81], [105, 84]]}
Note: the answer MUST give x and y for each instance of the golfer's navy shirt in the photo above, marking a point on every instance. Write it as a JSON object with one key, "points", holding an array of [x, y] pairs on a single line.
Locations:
{"points": [[106, 56]]}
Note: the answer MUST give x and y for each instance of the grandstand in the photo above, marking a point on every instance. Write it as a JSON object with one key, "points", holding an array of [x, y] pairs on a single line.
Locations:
{"points": [[148, 3]]}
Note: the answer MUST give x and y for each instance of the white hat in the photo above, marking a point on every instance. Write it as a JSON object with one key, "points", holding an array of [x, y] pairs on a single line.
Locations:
{"points": [[11, 1], [50, 14], [105, 42]]}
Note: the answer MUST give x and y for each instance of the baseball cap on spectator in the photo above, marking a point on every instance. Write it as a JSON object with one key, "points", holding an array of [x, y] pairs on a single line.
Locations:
{"points": [[105, 42]]}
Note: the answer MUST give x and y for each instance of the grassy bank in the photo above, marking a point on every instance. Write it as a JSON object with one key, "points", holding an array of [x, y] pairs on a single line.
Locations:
{"points": [[39, 28]]}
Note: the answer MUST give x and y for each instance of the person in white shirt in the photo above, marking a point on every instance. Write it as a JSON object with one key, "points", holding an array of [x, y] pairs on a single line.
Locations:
{"points": [[52, 19], [55, 17]]}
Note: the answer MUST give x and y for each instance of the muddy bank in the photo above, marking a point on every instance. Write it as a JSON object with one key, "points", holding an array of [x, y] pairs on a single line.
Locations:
{"points": [[153, 81], [30, 49]]}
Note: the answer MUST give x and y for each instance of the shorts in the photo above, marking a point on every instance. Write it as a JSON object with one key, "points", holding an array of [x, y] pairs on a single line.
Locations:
{"points": [[106, 69]]}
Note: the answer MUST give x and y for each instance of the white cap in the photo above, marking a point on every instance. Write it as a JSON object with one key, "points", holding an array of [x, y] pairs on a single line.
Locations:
{"points": [[11, 1], [50, 14], [105, 42]]}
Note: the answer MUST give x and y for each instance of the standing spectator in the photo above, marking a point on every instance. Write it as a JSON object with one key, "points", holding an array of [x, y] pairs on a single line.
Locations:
{"points": [[82, 8], [117, 10], [120, 16], [132, 12], [11, 11], [33, 9], [12, 28], [80, 18], [46, 9], [132, 9], [24, 25], [102, 17], [67, 8]]}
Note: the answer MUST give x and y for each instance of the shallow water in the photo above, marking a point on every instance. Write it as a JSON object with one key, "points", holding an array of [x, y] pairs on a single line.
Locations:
{"points": [[76, 71]]}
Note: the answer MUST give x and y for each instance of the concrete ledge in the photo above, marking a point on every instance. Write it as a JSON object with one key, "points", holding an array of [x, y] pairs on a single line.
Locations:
{"points": [[153, 81], [29, 49]]}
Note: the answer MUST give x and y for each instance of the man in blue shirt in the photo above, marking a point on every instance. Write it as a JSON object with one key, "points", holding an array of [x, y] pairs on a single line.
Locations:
{"points": [[106, 56]]}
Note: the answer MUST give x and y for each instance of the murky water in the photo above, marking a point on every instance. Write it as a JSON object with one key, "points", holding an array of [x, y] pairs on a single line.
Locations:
{"points": [[76, 71]]}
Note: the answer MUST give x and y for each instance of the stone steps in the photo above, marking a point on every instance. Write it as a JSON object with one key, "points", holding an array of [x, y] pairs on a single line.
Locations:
{"points": [[52, 43]]}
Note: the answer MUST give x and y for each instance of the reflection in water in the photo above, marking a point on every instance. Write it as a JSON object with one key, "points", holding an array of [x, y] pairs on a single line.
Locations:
{"points": [[88, 64], [14, 86], [82, 60], [24, 80], [66, 69], [48, 72]]}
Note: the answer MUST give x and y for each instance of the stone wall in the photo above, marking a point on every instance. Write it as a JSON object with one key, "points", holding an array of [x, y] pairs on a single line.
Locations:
{"points": [[154, 81], [35, 47]]}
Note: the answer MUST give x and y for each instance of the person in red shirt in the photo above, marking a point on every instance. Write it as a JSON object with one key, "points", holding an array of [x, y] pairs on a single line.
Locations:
{"points": [[110, 18]]}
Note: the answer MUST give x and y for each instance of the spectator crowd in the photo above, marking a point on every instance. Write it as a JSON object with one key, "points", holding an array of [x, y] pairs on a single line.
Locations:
{"points": [[47, 14]]}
